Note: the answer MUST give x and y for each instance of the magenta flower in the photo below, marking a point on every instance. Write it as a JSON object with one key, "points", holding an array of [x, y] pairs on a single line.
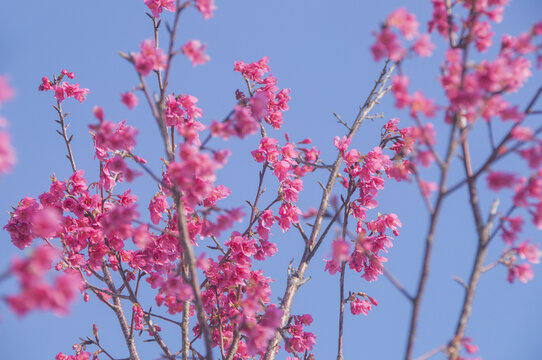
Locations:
{"points": [[156, 6], [129, 99], [194, 50]]}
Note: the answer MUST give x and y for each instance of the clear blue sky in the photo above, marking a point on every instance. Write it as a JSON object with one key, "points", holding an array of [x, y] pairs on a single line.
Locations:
{"points": [[319, 49]]}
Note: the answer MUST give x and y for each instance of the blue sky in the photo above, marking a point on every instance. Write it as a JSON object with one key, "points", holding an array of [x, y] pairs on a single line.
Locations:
{"points": [[318, 49]]}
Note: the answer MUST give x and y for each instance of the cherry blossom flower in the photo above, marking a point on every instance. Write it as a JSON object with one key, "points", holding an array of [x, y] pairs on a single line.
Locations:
{"points": [[129, 99], [206, 7], [194, 50], [156, 6]]}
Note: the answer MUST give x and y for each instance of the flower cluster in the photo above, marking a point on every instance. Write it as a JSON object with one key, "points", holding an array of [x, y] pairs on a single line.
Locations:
{"points": [[36, 293], [267, 100], [300, 341], [7, 154], [387, 43], [157, 6], [63, 89], [181, 112], [195, 51], [150, 58]]}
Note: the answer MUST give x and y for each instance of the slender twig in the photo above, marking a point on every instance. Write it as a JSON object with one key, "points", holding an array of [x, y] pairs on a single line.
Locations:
{"points": [[162, 317], [341, 313], [346, 203], [97, 343], [64, 134], [397, 285], [431, 353]]}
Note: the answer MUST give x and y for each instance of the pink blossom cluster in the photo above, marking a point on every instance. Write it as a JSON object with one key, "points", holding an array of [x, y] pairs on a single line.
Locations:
{"points": [[194, 50], [362, 306], [35, 292], [482, 88], [206, 7], [81, 355], [64, 89], [299, 340], [194, 174], [387, 43], [181, 112], [417, 102], [289, 165], [267, 101], [150, 58], [157, 6], [7, 154], [239, 295], [94, 229], [529, 252], [129, 99], [365, 176], [423, 139], [109, 137]]}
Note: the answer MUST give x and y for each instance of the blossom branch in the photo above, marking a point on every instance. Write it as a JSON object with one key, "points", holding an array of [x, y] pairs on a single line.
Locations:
{"points": [[482, 230], [119, 312], [346, 206], [497, 152], [452, 144], [295, 280]]}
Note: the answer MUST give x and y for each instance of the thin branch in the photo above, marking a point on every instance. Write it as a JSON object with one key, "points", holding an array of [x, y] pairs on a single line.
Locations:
{"points": [[162, 317], [398, 285], [64, 134], [452, 144], [431, 353]]}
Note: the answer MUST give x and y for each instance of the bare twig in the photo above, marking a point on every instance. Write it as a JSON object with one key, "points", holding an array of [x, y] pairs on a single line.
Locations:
{"points": [[398, 285], [64, 134]]}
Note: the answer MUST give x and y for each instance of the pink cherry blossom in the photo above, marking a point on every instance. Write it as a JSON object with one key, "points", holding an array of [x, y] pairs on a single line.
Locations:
{"points": [[206, 7], [6, 91], [358, 307], [129, 99], [405, 22], [497, 180], [423, 46], [194, 50], [149, 58], [521, 272], [7, 153], [156, 6], [387, 45]]}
